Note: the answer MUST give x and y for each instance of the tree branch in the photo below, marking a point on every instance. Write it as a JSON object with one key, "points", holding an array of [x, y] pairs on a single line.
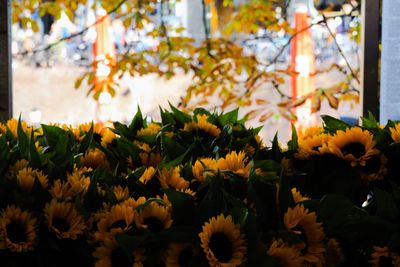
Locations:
{"points": [[206, 31], [164, 29], [275, 59], [353, 74], [49, 46]]}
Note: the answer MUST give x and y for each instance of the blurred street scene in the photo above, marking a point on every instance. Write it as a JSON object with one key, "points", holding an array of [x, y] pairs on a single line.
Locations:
{"points": [[44, 81]]}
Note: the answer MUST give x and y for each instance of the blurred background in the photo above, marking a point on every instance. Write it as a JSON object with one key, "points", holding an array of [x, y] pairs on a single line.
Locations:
{"points": [[93, 62]]}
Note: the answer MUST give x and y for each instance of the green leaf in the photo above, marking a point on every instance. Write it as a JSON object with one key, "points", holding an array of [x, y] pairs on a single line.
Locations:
{"points": [[111, 198], [63, 155], [150, 200], [52, 134], [34, 157], [381, 136], [92, 200], [386, 205], [336, 210], [267, 165], [23, 141], [169, 164], [293, 144], [240, 215], [121, 129], [183, 206], [276, 150], [201, 111], [136, 124], [214, 202], [171, 148], [332, 124], [229, 118], [370, 121], [166, 117], [87, 140], [180, 116]]}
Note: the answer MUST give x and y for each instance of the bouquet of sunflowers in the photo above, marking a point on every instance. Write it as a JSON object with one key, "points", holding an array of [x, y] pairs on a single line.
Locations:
{"points": [[198, 190]]}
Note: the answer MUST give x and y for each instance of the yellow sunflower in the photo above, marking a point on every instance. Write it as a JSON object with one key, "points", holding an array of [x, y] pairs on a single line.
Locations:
{"points": [[109, 254], [285, 255], [201, 166], [311, 146], [3, 128], [107, 136], [223, 243], [17, 230], [12, 125], [304, 223], [152, 129], [131, 202], [97, 127], [179, 254], [310, 132], [355, 145], [260, 142], [77, 183], [154, 217], [150, 159], [95, 158], [27, 177], [147, 175], [236, 163], [143, 146], [334, 253], [14, 169], [63, 220], [298, 197], [76, 132], [249, 150], [121, 193], [172, 178], [118, 220], [170, 134], [202, 124], [188, 191], [375, 169], [382, 256], [395, 133], [149, 156]]}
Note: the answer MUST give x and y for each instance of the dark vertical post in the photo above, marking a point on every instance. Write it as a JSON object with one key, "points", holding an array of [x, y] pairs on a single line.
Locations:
{"points": [[370, 56], [5, 60]]}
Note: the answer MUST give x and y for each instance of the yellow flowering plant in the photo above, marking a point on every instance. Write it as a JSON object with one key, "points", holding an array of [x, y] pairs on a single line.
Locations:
{"points": [[199, 190]]}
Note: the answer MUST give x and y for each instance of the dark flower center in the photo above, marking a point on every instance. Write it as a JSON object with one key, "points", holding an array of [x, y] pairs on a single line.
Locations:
{"points": [[373, 165], [385, 261], [221, 246], [159, 264], [154, 224], [185, 257], [16, 232], [303, 237], [120, 259], [118, 224], [356, 149], [61, 224], [97, 137]]}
